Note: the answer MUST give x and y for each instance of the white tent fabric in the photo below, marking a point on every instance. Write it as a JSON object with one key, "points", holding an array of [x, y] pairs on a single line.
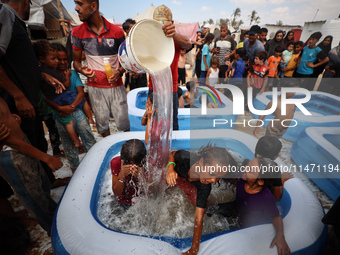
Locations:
{"points": [[45, 9]]}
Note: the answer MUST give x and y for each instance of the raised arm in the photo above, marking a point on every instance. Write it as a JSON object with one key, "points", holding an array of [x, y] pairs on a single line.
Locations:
{"points": [[182, 40]]}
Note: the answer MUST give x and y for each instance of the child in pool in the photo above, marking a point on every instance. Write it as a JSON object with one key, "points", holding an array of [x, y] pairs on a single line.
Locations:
{"points": [[254, 203], [125, 170], [180, 98], [190, 94], [47, 55], [190, 167], [270, 147]]}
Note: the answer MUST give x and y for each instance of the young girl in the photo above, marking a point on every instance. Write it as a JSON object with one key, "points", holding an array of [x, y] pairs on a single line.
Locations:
{"points": [[48, 57], [213, 71], [190, 169], [286, 56], [125, 170]]}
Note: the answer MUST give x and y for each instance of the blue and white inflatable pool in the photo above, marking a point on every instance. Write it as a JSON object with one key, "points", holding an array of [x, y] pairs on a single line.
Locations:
{"points": [[324, 108], [188, 118], [317, 151], [77, 229]]}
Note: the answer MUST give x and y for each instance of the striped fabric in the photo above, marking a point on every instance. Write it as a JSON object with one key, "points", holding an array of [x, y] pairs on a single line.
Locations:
{"points": [[97, 47]]}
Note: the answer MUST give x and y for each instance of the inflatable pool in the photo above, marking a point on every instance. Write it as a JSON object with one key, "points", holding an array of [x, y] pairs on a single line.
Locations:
{"points": [[324, 108], [317, 151], [188, 118], [77, 229]]}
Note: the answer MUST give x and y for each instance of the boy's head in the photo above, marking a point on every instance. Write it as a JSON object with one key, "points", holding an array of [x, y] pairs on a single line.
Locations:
{"points": [[133, 152], [128, 24], [183, 52], [298, 47], [260, 57], [62, 56], [190, 85], [290, 46], [46, 53], [268, 147], [209, 38], [263, 34], [240, 52], [314, 38], [224, 30], [278, 50]]}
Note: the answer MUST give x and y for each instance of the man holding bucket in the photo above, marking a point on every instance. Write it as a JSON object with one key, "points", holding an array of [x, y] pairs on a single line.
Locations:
{"points": [[163, 14], [100, 39]]}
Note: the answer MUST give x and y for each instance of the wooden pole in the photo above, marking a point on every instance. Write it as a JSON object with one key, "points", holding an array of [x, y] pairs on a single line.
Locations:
{"points": [[62, 16]]}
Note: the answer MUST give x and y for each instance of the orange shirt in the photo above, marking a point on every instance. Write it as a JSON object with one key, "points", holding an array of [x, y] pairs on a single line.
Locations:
{"points": [[273, 63]]}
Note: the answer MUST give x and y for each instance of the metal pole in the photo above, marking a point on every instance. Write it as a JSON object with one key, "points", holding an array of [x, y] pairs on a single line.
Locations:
{"points": [[315, 14]]}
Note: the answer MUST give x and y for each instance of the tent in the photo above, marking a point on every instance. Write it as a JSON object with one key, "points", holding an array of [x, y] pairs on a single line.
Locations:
{"points": [[42, 10], [326, 27]]}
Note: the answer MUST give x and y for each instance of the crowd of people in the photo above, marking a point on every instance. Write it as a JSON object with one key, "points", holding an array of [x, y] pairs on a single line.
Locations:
{"points": [[39, 83]]}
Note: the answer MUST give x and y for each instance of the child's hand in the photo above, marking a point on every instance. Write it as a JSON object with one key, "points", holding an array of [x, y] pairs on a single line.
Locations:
{"points": [[54, 163], [17, 118], [4, 131], [171, 177], [286, 176], [281, 244], [67, 73]]}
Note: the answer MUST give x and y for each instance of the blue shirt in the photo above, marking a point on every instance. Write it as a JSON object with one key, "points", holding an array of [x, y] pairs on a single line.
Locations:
{"points": [[205, 52], [239, 67], [74, 81], [251, 51], [308, 55]]}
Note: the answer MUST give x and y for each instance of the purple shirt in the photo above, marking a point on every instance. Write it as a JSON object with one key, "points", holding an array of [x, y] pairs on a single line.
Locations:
{"points": [[254, 208]]}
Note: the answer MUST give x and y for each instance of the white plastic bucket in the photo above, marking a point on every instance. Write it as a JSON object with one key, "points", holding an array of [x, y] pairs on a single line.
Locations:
{"points": [[146, 49]]}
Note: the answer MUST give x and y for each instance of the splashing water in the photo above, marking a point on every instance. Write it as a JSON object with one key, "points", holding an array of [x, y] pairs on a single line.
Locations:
{"points": [[160, 210]]}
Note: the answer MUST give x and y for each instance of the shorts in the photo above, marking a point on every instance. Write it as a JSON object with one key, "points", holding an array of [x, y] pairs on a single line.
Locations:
{"points": [[181, 76], [109, 100], [29, 180]]}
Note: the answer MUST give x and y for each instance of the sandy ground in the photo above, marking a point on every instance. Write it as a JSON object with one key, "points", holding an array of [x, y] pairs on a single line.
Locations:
{"points": [[41, 243]]}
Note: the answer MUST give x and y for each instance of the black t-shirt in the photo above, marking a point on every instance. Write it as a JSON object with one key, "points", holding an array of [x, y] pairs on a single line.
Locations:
{"points": [[47, 89], [18, 57], [184, 160]]}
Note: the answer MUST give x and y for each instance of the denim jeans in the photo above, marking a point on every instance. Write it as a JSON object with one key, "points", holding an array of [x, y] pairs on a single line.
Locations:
{"points": [[83, 128]]}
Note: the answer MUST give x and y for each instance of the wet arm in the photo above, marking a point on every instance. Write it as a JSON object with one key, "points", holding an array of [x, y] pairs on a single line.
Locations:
{"points": [[279, 239], [171, 174], [199, 213]]}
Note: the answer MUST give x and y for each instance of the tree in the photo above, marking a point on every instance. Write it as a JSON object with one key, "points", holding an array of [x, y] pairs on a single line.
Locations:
{"points": [[234, 23], [279, 23], [210, 21], [254, 18], [224, 21]]}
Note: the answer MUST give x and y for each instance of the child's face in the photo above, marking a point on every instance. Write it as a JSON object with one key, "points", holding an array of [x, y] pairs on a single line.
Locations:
{"points": [[297, 48], [63, 61], [214, 65], [290, 36], [290, 47], [312, 41], [278, 54], [252, 171], [263, 36], [183, 52], [257, 61], [212, 176], [148, 103], [50, 60]]}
